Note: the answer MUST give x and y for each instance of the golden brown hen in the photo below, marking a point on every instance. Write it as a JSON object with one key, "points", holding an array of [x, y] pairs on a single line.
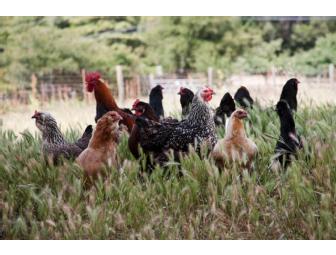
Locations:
{"points": [[235, 146], [102, 149]]}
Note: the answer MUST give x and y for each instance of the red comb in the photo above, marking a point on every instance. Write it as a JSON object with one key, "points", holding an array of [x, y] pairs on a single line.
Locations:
{"points": [[91, 80], [36, 114], [136, 102]]}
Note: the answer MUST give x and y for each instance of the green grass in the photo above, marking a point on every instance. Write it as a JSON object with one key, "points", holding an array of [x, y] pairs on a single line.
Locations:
{"points": [[40, 201]]}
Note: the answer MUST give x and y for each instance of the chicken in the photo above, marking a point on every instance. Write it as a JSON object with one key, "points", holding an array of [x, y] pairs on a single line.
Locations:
{"points": [[226, 108], [289, 92], [198, 128], [85, 138], [105, 100], [54, 144], [155, 100], [146, 111], [243, 97], [186, 97], [235, 146], [289, 142], [102, 149]]}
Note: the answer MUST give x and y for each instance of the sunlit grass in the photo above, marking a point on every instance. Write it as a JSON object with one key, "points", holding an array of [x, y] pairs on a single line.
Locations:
{"points": [[41, 201]]}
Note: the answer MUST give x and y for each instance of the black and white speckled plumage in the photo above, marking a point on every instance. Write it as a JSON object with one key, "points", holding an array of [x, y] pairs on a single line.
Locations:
{"points": [[53, 142], [197, 128]]}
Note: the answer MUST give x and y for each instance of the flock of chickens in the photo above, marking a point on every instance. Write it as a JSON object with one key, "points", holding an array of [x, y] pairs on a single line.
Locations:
{"points": [[156, 138]]}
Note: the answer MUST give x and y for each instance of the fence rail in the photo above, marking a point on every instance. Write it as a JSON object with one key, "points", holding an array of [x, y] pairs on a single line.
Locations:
{"points": [[60, 86]]}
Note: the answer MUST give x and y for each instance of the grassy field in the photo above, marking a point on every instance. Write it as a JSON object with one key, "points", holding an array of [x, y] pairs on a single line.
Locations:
{"points": [[40, 201]]}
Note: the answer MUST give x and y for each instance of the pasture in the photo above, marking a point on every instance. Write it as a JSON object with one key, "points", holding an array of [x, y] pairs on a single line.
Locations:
{"points": [[42, 201]]}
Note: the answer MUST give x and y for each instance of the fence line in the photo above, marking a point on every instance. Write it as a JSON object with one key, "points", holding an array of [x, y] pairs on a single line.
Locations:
{"points": [[64, 87]]}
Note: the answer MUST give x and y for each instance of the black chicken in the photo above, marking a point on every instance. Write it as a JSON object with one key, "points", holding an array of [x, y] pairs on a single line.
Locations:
{"points": [[289, 142], [155, 100], [53, 142], [143, 110], [226, 107], [289, 92], [198, 128], [186, 97], [243, 97]]}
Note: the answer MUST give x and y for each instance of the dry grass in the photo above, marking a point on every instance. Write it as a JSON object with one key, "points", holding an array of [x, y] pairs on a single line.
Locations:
{"points": [[41, 201], [79, 114]]}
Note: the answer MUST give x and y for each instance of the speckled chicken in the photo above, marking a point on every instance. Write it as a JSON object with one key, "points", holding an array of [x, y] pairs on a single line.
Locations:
{"points": [[196, 129], [54, 144], [142, 109]]}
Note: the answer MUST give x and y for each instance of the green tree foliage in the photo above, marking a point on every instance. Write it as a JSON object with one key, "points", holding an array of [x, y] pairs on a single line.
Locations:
{"points": [[43, 45]]}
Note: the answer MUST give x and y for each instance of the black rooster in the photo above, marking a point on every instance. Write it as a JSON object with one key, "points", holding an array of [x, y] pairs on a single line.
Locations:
{"points": [[289, 142], [243, 97], [155, 100], [226, 108], [289, 92], [186, 97]]}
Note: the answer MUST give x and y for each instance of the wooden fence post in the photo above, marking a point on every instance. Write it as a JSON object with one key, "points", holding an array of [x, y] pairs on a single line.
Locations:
{"points": [[159, 71], [33, 85], [53, 92], [210, 71], [120, 82], [43, 94], [85, 96], [273, 72], [138, 86], [331, 74], [151, 81]]}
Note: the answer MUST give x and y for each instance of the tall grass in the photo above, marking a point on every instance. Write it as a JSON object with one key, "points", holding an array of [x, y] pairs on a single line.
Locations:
{"points": [[42, 201]]}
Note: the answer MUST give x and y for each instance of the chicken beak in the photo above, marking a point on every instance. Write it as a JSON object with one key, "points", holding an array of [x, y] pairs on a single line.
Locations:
{"points": [[35, 115]]}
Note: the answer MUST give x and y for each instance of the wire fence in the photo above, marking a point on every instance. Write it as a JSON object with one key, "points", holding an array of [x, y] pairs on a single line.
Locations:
{"points": [[67, 86]]}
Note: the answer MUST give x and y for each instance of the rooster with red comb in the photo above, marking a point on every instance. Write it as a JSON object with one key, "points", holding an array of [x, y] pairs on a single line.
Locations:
{"points": [[105, 100]]}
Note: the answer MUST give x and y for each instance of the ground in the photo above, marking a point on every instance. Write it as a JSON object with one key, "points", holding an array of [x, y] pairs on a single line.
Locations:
{"points": [[42, 201]]}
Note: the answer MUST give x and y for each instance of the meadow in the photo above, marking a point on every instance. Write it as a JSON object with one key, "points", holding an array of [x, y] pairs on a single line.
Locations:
{"points": [[42, 201]]}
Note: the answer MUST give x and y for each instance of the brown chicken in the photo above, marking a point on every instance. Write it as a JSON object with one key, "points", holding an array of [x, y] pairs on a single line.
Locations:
{"points": [[235, 146], [102, 149], [105, 100]]}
